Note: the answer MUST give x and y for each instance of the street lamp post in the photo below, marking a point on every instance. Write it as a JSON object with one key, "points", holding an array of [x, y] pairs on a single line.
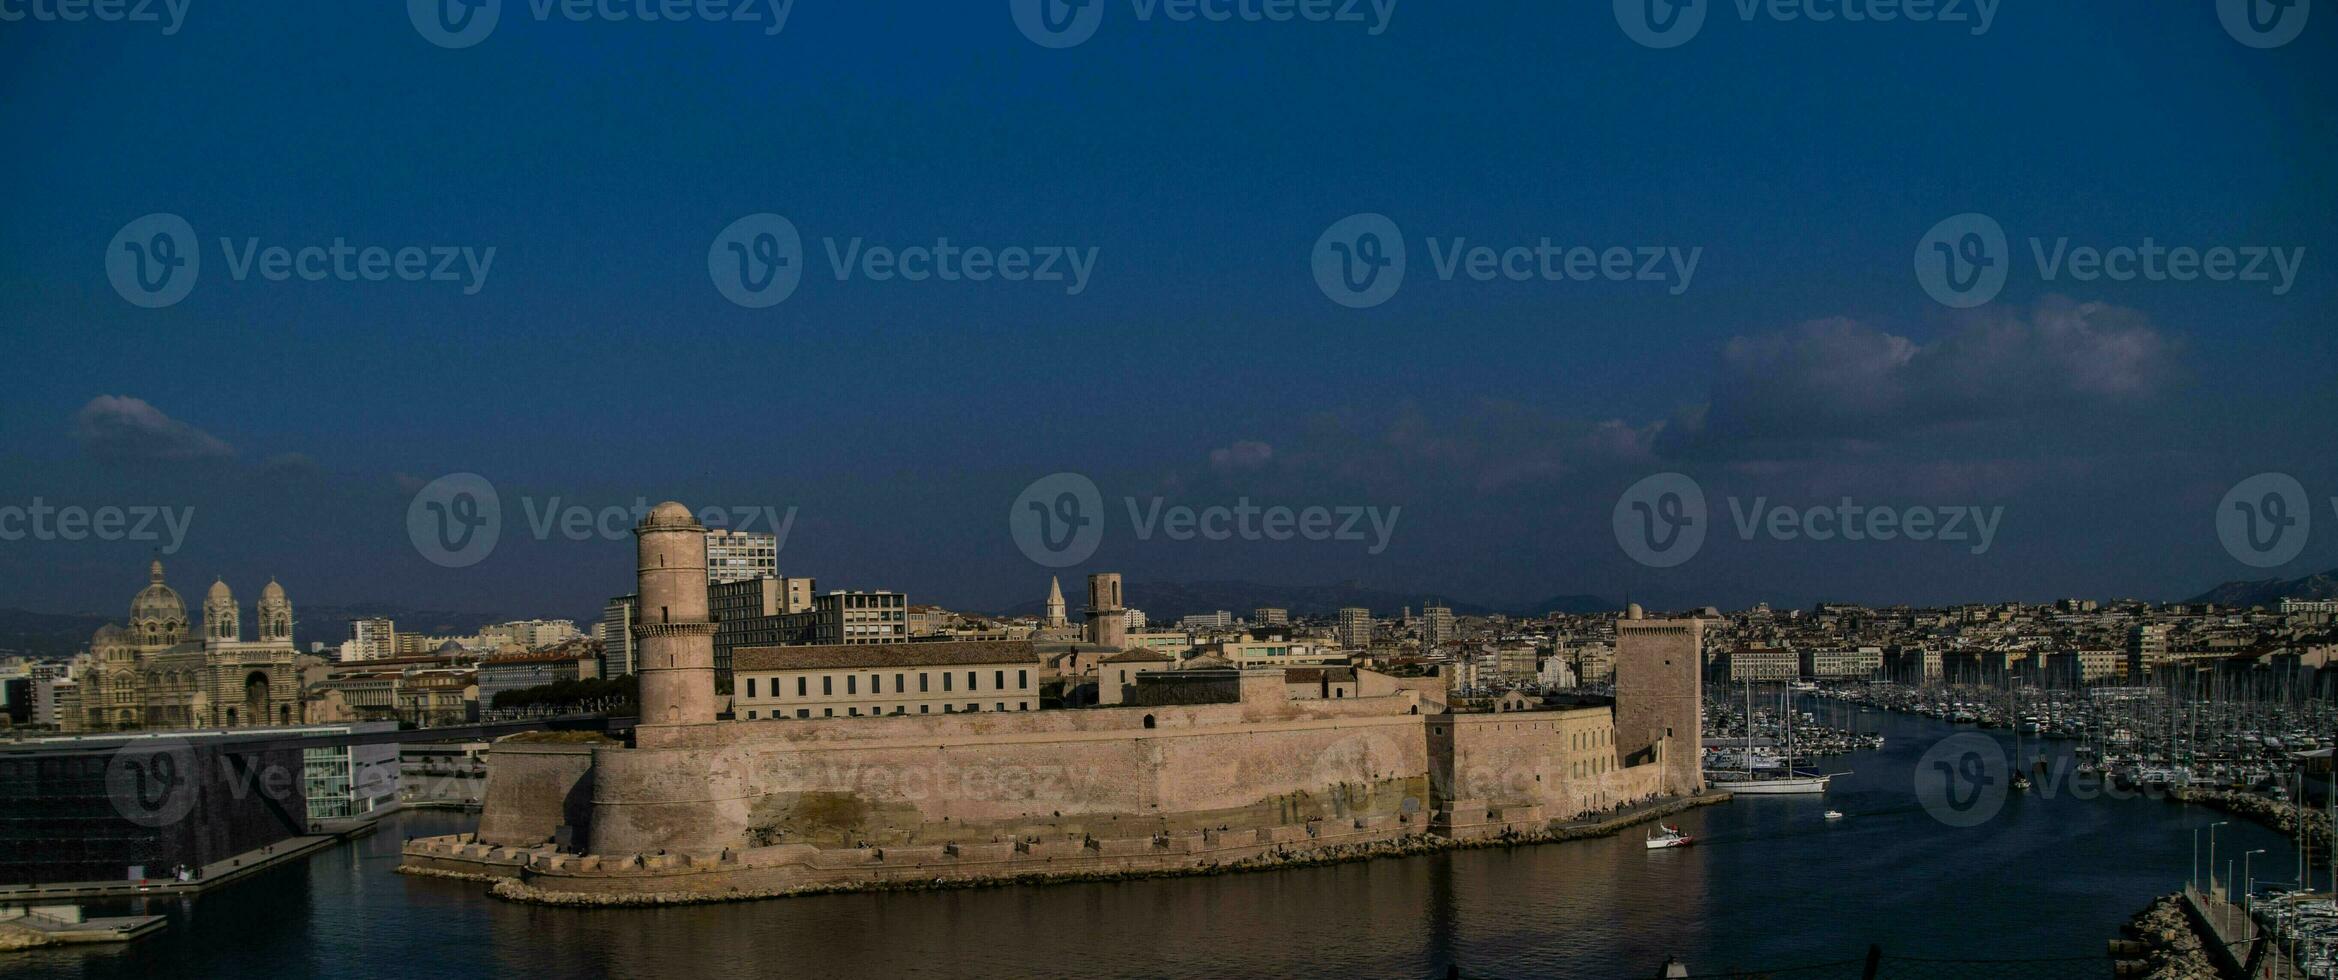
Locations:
{"points": [[2249, 881], [2212, 855]]}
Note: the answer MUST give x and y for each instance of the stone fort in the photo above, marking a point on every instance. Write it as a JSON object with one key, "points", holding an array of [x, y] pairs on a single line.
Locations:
{"points": [[697, 808]]}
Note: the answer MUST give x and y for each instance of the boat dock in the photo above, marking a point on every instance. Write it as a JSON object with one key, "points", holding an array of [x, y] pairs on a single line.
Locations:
{"points": [[50, 925]]}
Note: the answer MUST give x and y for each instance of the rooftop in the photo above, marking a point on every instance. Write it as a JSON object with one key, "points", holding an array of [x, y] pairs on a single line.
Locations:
{"points": [[842, 656]]}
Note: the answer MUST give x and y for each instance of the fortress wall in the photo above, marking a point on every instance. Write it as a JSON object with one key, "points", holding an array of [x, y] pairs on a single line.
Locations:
{"points": [[1563, 762], [928, 780], [534, 790]]}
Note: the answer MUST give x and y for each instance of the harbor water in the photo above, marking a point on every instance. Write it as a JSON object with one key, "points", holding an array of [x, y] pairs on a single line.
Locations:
{"points": [[1771, 883]]}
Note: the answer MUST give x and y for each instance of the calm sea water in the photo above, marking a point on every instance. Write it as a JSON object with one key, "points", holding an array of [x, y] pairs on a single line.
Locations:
{"points": [[1773, 884]]}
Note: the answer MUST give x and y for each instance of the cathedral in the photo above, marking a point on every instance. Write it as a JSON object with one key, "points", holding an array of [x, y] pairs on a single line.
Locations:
{"points": [[158, 674]]}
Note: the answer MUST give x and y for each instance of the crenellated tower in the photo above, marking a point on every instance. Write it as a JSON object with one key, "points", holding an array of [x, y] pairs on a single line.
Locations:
{"points": [[674, 638]]}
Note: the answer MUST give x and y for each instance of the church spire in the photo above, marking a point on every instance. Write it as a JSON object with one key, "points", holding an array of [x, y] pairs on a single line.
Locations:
{"points": [[1055, 610]]}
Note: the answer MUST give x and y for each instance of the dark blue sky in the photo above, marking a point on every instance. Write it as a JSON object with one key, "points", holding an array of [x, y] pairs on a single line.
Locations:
{"points": [[598, 363]]}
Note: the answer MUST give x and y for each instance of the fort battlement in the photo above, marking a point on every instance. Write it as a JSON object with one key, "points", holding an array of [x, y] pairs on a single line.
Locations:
{"points": [[698, 805]]}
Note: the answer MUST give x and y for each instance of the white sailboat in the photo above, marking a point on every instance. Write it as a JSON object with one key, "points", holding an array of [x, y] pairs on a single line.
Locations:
{"points": [[1791, 783]]}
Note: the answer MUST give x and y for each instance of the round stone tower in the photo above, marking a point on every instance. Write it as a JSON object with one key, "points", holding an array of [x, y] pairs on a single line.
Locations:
{"points": [[674, 639]]}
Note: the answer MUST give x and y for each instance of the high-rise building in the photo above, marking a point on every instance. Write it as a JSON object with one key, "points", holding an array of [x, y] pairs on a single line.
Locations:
{"points": [[1436, 627], [1270, 616], [733, 556], [859, 617], [373, 639], [1355, 628], [617, 620]]}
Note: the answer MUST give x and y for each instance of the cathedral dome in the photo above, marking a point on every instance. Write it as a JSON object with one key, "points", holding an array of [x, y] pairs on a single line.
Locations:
{"points": [[157, 603], [273, 593], [219, 593], [106, 635]]}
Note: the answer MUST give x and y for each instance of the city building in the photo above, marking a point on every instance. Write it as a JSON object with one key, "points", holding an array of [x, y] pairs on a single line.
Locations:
{"points": [[1436, 627], [535, 668], [1270, 616], [371, 639], [1107, 619], [1842, 664], [1756, 663], [1253, 653], [159, 673], [753, 612], [863, 680], [1354, 629], [734, 556], [1116, 675], [617, 621]]}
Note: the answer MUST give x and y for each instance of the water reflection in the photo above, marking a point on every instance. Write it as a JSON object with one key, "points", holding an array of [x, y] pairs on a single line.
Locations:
{"points": [[1770, 883]]}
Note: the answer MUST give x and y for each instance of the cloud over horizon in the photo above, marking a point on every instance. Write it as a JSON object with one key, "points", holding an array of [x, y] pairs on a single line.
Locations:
{"points": [[121, 427]]}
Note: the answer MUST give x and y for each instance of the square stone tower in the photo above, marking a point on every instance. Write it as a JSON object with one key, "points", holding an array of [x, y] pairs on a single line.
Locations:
{"points": [[1107, 617], [1659, 692]]}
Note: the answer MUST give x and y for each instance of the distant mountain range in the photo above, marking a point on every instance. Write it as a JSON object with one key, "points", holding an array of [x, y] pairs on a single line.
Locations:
{"points": [[1167, 602], [2269, 592]]}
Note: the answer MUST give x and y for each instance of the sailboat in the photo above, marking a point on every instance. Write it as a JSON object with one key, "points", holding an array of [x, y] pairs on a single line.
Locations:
{"points": [[1750, 783], [1666, 835]]}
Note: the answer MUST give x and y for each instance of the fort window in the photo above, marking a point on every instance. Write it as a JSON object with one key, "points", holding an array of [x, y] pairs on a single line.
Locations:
{"points": [[851, 683], [828, 712], [750, 688], [974, 707], [921, 679], [803, 712], [898, 687], [945, 680], [925, 709], [827, 686], [800, 686], [1002, 706], [854, 712], [1148, 721], [970, 675], [1022, 706], [998, 681], [1022, 679]]}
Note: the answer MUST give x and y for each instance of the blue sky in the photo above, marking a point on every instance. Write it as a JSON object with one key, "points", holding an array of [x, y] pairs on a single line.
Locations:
{"points": [[596, 362]]}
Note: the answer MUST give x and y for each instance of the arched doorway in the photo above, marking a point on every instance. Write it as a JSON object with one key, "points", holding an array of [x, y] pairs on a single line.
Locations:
{"points": [[256, 697]]}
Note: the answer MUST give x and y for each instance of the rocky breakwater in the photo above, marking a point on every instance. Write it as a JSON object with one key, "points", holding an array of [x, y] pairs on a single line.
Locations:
{"points": [[2163, 945], [2277, 814]]}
